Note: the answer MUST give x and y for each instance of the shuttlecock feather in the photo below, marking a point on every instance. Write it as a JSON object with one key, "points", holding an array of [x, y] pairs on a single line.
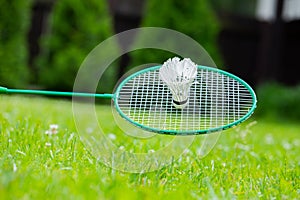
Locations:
{"points": [[178, 75]]}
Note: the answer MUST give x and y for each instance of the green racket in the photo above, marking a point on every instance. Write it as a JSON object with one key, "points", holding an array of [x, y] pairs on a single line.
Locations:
{"points": [[216, 100]]}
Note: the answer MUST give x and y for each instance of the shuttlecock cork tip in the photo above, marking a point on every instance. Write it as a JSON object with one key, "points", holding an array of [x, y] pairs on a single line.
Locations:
{"points": [[178, 75]]}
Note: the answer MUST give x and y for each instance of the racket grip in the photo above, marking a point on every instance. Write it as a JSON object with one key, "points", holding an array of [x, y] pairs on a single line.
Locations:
{"points": [[3, 90]]}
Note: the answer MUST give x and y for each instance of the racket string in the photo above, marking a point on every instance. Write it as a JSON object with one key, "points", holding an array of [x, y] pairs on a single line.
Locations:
{"points": [[215, 100]]}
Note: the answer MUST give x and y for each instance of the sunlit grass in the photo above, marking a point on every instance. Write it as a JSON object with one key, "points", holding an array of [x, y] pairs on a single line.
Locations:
{"points": [[259, 159]]}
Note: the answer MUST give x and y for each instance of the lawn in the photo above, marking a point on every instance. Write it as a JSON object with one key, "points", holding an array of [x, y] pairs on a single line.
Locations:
{"points": [[258, 159]]}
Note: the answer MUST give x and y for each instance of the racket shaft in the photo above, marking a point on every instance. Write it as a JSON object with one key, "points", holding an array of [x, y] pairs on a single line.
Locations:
{"points": [[54, 93]]}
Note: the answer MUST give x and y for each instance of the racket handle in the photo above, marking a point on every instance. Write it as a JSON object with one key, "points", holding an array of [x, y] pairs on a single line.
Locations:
{"points": [[3, 89], [54, 93]]}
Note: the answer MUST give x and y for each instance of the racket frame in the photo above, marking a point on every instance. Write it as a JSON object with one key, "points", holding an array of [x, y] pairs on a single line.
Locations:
{"points": [[185, 132]]}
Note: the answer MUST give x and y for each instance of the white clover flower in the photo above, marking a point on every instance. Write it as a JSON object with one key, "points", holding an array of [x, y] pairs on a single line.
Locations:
{"points": [[15, 168], [199, 152], [151, 151], [112, 136], [53, 129], [121, 147], [48, 144], [186, 152], [269, 139], [89, 130], [286, 145]]}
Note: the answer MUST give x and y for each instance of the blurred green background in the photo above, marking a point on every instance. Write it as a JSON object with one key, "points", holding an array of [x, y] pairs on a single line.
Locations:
{"points": [[43, 42]]}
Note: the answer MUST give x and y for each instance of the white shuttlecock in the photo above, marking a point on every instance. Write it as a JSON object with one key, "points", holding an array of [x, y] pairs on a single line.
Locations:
{"points": [[178, 76]]}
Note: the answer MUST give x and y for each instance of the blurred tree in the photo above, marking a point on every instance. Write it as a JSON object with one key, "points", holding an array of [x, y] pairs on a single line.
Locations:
{"points": [[194, 18], [271, 47], [126, 14], [14, 25], [40, 11], [278, 101], [244, 8], [259, 39], [76, 27]]}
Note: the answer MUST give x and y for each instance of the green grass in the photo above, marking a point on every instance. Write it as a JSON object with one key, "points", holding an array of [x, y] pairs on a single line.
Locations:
{"points": [[259, 159]]}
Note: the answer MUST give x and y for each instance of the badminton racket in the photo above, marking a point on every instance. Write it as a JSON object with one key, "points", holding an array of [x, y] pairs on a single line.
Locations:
{"points": [[217, 100]]}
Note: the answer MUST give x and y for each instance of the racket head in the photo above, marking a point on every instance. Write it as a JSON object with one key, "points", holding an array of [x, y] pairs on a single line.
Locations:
{"points": [[218, 100]]}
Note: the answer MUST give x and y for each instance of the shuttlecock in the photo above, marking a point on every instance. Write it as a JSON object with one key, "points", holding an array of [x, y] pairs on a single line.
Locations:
{"points": [[178, 76]]}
